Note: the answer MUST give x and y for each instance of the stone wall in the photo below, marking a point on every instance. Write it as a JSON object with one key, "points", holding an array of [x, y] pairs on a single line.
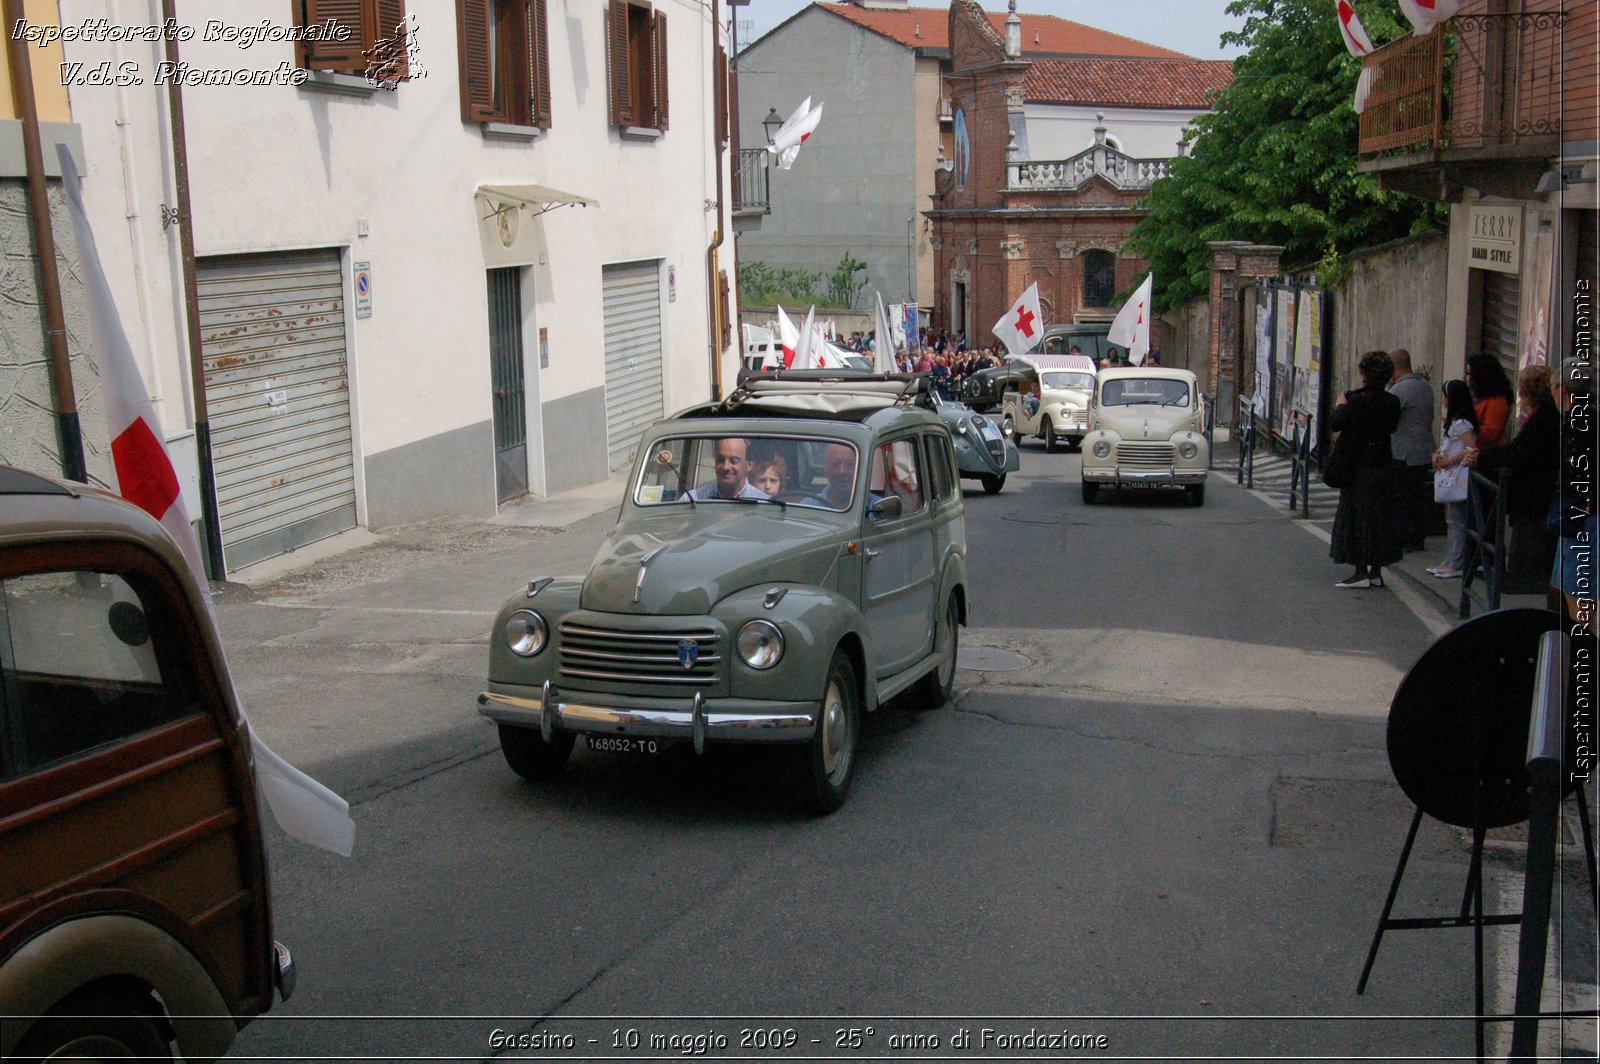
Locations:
{"points": [[1184, 336], [1384, 305]]}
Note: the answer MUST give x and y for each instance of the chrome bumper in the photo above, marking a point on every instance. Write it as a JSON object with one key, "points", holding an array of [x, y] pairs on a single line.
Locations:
{"points": [[725, 720], [1145, 478]]}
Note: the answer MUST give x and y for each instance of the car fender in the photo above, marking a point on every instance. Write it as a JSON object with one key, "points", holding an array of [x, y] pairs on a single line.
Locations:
{"points": [[1094, 436], [552, 599], [58, 961], [953, 581], [813, 620]]}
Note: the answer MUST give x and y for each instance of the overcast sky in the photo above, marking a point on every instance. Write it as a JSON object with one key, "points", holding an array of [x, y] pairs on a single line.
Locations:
{"points": [[1192, 27]]}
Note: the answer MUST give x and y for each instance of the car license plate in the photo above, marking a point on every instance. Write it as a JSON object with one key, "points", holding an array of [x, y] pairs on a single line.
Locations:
{"points": [[616, 744]]}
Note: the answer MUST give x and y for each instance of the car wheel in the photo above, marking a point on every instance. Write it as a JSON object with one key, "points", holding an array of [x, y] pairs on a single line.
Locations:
{"points": [[1090, 492], [530, 756], [993, 483], [1197, 494], [96, 1026], [1049, 437], [934, 689], [829, 760]]}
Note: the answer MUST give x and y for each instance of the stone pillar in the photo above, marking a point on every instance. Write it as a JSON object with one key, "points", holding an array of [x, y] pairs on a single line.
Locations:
{"points": [[1233, 263]]}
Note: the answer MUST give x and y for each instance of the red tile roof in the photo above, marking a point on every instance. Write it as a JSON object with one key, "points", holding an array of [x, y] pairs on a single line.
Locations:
{"points": [[1127, 82], [929, 27]]}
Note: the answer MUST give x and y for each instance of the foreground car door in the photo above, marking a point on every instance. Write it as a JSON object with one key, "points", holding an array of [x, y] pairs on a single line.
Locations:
{"points": [[899, 579]]}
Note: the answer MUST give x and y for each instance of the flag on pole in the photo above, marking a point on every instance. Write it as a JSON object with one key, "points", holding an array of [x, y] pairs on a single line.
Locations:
{"points": [[1426, 14], [1021, 327], [144, 476], [1131, 328], [1355, 35], [883, 360], [804, 357], [1363, 88], [788, 339], [793, 133]]}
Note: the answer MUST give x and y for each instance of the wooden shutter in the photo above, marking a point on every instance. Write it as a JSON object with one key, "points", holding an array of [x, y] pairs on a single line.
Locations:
{"points": [[539, 58], [621, 84], [391, 16], [658, 63], [472, 47], [344, 57], [724, 319], [719, 96]]}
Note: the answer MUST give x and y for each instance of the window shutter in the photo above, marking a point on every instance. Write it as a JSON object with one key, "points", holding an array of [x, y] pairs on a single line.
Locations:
{"points": [[344, 57], [719, 96], [621, 90], [472, 47], [539, 56], [724, 319], [658, 61], [392, 26]]}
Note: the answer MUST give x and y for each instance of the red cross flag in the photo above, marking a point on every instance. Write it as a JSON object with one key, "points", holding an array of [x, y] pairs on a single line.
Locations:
{"points": [[144, 476], [1131, 328], [795, 131], [788, 339], [1021, 327], [1426, 14], [1355, 35]]}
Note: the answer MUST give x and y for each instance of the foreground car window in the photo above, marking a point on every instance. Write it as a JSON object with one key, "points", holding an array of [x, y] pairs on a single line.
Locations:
{"points": [[759, 469], [78, 665], [1131, 391]]}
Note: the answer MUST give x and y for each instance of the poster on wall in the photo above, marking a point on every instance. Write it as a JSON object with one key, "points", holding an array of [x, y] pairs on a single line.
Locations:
{"points": [[1534, 331], [1283, 360], [1263, 353], [1308, 353], [913, 333], [897, 323]]}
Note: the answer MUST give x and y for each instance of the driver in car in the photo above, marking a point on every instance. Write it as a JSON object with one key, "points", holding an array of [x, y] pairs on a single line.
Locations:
{"points": [[840, 467], [733, 473]]}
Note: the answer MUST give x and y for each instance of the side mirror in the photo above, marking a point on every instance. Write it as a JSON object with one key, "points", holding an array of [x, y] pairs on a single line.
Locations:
{"points": [[885, 509]]}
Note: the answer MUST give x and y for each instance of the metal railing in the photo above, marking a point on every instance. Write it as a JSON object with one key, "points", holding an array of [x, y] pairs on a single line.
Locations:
{"points": [[1486, 542], [1303, 465], [1247, 442], [750, 192]]}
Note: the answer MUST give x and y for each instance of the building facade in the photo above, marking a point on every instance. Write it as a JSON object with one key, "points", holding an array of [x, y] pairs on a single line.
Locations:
{"points": [[446, 253]]}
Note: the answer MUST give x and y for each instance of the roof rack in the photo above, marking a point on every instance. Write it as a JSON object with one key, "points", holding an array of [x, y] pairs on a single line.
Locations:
{"points": [[827, 392]]}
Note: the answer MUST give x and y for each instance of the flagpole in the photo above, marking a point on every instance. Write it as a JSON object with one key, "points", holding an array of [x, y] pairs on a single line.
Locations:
{"points": [[210, 516], [68, 430]]}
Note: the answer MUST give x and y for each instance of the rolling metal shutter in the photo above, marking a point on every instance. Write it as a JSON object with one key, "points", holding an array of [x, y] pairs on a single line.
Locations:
{"points": [[272, 332], [632, 296], [1502, 298]]}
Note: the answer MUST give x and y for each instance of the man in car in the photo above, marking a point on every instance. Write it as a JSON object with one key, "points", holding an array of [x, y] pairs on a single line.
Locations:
{"points": [[733, 473], [840, 467]]}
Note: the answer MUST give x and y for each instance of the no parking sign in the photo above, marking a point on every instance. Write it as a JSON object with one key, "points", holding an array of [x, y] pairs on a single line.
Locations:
{"points": [[363, 286]]}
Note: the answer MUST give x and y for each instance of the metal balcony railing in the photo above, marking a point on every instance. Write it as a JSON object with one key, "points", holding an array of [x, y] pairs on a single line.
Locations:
{"points": [[750, 192], [1478, 81]]}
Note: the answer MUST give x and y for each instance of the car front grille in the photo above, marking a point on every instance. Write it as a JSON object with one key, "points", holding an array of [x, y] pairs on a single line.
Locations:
{"points": [[610, 655], [1145, 455]]}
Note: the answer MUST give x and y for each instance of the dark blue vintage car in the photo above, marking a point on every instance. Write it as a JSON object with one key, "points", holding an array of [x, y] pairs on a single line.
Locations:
{"points": [[982, 450]]}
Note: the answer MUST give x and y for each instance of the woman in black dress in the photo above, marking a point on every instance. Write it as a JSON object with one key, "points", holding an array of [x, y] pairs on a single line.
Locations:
{"points": [[1363, 529]]}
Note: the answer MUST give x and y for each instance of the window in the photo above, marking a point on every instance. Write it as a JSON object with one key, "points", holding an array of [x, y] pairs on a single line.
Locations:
{"points": [[505, 62], [352, 31], [896, 470], [941, 466], [1099, 278], [637, 49]]}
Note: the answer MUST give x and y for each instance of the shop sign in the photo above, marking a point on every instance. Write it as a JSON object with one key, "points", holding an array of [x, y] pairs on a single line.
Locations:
{"points": [[1494, 238]]}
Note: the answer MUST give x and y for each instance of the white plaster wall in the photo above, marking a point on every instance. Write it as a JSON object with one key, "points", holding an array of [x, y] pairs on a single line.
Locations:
{"points": [[1060, 132], [280, 167]]}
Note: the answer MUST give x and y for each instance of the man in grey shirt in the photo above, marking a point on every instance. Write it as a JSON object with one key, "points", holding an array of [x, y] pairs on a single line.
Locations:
{"points": [[1412, 447]]}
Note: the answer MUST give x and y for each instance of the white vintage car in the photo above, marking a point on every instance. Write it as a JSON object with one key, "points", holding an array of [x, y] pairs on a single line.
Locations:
{"points": [[1146, 430], [1051, 401]]}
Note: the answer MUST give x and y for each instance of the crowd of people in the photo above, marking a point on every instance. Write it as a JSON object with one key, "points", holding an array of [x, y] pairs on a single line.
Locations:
{"points": [[1400, 471]]}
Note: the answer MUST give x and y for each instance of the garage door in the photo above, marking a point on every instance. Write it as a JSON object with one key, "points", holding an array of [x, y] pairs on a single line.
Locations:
{"points": [[273, 335], [633, 355]]}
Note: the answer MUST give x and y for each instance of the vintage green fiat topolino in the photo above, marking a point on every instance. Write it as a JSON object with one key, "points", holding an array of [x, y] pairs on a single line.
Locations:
{"points": [[782, 562]]}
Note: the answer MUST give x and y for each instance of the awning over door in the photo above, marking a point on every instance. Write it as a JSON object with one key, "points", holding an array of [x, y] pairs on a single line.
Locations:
{"points": [[538, 198]]}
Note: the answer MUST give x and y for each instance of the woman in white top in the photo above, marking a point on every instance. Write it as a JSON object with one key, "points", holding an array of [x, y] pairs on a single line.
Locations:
{"points": [[1460, 439]]}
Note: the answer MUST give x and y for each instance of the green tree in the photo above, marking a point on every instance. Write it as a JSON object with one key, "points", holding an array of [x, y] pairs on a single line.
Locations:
{"points": [[843, 288], [1274, 162]]}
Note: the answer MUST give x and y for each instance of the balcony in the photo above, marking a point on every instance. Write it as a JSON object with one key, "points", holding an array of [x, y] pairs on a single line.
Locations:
{"points": [[1477, 102], [751, 196], [1068, 175]]}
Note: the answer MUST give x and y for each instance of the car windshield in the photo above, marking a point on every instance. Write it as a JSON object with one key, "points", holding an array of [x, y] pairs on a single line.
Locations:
{"points": [[1063, 378], [1144, 391], [752, 469]]}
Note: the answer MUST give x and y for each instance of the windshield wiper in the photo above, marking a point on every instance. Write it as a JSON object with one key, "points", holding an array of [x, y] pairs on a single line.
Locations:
{"points": [[746, 498]]}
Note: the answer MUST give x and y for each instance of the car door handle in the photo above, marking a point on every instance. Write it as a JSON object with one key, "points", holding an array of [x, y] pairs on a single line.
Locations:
{"points": [[871, 553]]}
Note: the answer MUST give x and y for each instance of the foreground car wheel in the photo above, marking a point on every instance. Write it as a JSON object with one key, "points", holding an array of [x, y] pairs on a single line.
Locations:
{"points": [[1050, 443], [993, 483], [829, 762], [116, 1031], [1197, 494], [935, 689], [1090, 493], [530, 756]]}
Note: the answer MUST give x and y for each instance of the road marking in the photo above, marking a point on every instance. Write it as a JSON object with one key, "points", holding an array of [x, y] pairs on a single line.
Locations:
{"points": [[382, 609]]}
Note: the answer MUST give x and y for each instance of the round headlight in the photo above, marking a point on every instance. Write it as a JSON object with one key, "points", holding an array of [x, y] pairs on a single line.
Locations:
{"points": [[1102, 449], [526, 633], [1187, 451], [760, 644]]}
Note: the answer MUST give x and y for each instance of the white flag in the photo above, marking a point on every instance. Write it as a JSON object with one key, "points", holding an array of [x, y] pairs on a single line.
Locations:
{"points": [[883, 360], [1363, 88], [788, 339], [144, 476], [1355, 35], [1426, 14], [786, 145], [1131, 328], [1021, 327], [804, 352]]}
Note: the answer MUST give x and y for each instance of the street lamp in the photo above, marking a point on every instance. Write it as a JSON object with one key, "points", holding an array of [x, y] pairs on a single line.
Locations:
{"points": [[771, 124]]}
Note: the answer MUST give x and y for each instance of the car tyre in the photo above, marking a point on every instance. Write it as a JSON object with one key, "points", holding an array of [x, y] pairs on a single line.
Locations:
{"points": [[992, 482], [828, 763], [530, 756], [1050, 443], [1197, 494], [1091, 491], [96, 1026], [935, 689]]}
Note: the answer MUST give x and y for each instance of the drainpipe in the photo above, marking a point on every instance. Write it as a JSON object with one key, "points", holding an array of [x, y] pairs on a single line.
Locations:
{"points": [[68, 431], [211, 540], [715, 309]]}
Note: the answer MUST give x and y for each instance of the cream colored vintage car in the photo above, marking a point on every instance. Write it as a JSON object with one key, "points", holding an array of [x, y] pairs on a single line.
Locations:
{"points": [[1146, 430], [1051, 401]]}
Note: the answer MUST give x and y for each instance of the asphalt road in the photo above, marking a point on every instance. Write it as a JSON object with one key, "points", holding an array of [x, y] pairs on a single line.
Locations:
{"points": [[1171, 828]]}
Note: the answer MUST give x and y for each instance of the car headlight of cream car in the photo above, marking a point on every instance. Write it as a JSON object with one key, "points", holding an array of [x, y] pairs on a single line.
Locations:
{"points": [[1187, 451], [1102, 449]]}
